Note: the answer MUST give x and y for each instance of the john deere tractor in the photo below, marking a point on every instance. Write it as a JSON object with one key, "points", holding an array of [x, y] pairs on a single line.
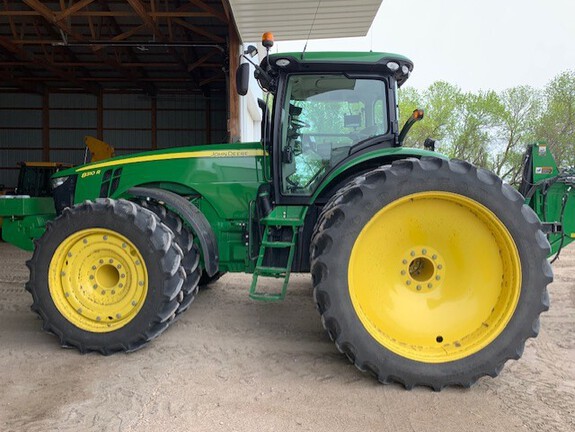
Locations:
{"points": [[425, 270]]}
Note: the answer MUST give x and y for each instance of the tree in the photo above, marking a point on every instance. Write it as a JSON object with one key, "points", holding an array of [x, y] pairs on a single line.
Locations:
{"points": [[521, 108], [557, 124], [440, 102]]}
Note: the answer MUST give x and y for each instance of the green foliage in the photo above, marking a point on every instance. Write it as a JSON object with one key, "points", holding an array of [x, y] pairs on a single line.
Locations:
{"points": [[557, 123], [492, 129]]}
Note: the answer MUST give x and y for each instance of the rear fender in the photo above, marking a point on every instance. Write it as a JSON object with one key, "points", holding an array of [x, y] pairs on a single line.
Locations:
{"points": [[357, 164], [193, 217]]}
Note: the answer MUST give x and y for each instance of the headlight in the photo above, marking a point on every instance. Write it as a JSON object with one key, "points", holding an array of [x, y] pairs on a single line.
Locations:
{"points": [[283, 62], [392, 66], [58, 181]]}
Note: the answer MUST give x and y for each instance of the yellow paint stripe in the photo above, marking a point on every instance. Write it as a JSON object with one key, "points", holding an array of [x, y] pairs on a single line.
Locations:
{"points": [[171, 156]]}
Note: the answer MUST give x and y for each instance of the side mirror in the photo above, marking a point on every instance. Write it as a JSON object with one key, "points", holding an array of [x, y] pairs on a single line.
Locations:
{"points": [[243, 78]]}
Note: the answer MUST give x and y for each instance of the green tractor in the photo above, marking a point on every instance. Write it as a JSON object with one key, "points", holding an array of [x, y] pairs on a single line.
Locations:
{"points": [[426, 271]]}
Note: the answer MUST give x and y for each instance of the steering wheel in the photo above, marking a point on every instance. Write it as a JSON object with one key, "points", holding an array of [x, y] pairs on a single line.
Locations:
{"points": [[300, 123]]}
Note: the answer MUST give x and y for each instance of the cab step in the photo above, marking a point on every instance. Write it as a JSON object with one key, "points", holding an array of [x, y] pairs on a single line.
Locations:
{"points": [[280, 217]]}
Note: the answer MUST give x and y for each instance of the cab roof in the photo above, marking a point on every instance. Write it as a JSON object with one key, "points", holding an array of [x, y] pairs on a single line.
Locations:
{"points": [[343, 60]]}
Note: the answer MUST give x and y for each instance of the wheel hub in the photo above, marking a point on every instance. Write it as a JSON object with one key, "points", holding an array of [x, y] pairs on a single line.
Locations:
{"points": [[98, 280], [422, 269]]}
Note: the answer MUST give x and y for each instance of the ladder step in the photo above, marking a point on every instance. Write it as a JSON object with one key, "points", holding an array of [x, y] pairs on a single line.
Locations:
{"points": [[272, 221], [277, 244], [267, 296], [271, 271]]}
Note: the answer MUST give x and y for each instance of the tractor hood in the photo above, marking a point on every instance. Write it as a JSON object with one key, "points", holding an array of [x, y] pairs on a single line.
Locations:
{"points": [[221, 173]]}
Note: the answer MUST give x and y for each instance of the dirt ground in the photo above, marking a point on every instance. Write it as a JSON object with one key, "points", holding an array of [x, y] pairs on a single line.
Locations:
{"points": [[231, 364]]}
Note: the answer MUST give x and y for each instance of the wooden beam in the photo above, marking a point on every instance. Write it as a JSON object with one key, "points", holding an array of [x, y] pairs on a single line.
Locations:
{"points": [[118, 14], [199, 30], [215, 13], [28, 57], [202, 60], [72, 9], [215, 77], [143, 13], [48, 15], [8, 77]]}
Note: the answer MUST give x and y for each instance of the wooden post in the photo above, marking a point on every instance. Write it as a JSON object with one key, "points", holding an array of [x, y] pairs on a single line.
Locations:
{"points": [[233, 97], [46, 126]]}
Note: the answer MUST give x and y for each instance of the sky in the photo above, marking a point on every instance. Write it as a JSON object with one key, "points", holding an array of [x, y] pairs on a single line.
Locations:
{"points": [[486, 44]]}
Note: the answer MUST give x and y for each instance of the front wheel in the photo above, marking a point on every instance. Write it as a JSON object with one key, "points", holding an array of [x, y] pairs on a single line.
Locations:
{"points": [[439, 274], [105, 276]]}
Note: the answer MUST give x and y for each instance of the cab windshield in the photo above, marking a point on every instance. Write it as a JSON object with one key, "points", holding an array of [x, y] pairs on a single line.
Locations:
{"points": [[324, 116]]}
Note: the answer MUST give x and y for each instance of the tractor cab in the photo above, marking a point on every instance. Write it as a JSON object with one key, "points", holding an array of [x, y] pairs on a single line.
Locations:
{"points": [[326, 108]]}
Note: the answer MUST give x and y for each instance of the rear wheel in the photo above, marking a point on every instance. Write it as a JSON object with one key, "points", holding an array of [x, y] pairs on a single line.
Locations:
{"points": [[185, 240], [105, 276], [445, 273]]}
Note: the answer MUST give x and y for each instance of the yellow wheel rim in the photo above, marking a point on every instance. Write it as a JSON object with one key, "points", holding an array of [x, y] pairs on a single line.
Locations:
{"points": [[98, 280], [434, 277]]}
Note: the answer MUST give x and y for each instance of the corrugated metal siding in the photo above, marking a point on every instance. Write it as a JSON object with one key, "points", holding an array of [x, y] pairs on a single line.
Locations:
{"points": [[182, 120], [293, 20], [128, 122], [72, 117], [20, 128]]}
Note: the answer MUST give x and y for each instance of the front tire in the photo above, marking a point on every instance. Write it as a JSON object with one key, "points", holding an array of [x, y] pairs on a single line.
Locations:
{"points": [[439, 274], [105, 276]]}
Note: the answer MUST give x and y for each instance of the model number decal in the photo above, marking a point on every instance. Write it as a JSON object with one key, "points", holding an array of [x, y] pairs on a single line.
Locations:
{"points": [[90, 173], [230, 153]]}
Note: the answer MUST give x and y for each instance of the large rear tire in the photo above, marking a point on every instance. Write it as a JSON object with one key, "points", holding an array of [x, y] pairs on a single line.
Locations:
{"points": [[105, 276], [439, 274], [185, 240]]}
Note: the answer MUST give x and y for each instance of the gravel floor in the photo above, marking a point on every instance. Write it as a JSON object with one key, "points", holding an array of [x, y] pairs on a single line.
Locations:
{"points": [[231, 364]]}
